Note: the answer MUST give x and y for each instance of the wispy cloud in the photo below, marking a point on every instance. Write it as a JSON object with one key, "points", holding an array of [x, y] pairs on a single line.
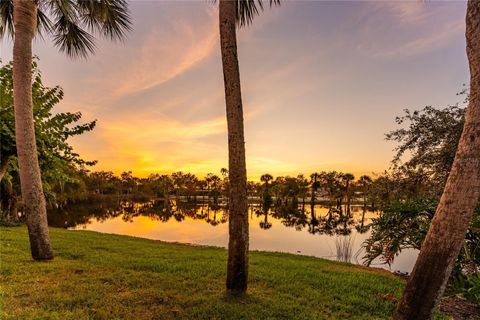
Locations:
{"points": [[146, 130], [166, 52], [427, 43], [408, 28], [405, 11]]}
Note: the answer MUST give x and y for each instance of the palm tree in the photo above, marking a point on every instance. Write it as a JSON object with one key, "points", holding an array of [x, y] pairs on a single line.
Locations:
{"points": [[314, 185], [231, 14], [302, 189], [347, 177], [365, 182], [460, 196], [266, 178], [224, 173], [71, 27]]}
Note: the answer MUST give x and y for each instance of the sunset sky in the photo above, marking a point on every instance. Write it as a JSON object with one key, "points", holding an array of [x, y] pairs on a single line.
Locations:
{"points": [[322, 82]]}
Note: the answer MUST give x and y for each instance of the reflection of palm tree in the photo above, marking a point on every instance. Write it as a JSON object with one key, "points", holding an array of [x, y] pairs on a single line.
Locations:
{"points": [[313, 226], [265, 224], [214, 221], [362, 228], [313, 220], [345, 229]]}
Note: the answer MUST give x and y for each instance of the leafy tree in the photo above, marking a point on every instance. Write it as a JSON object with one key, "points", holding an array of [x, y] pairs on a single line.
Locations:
{"points": [[57, 158], [103, 182], [129, 182], [402, 225], [431, 139]]}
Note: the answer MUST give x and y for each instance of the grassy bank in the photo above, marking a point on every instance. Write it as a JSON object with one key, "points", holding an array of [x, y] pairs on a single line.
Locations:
{"points": [[103, 276]]}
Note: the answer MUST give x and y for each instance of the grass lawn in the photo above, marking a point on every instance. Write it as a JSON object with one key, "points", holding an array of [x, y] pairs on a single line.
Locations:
{"points": [[100, 276]]}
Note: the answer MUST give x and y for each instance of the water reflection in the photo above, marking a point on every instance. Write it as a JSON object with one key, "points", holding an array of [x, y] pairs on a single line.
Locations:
{"points": [[300, 218], [328, 232]]}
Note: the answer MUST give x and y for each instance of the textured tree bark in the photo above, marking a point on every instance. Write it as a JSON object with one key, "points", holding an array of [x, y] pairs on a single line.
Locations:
{"points": [[460, 196], [237, 268], [25, 20]]}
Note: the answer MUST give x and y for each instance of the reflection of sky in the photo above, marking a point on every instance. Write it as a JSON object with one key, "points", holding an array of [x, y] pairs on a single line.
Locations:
{"points": [[322, 82], [278, 238]]}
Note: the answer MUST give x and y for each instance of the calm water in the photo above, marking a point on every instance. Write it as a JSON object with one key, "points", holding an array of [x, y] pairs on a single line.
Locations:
{"points": [[298, 230]]}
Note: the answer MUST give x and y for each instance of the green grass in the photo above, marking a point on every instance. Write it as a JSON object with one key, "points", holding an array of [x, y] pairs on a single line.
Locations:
{"points": [[100, 276]]}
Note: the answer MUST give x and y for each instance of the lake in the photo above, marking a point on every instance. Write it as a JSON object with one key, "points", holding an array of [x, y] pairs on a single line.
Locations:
{"points": [[304, 230]]}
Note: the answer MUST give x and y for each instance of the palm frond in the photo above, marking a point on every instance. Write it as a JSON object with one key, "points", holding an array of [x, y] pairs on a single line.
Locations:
{"points": [[109, 17], [6, 18], [246, 10], [77, 21], [44, 25], [67, 32], [72, 39]]}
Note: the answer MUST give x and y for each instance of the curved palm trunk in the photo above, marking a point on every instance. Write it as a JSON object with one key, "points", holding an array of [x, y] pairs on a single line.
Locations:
{"points": [[460, 196], [237, 268], [25, 13]]}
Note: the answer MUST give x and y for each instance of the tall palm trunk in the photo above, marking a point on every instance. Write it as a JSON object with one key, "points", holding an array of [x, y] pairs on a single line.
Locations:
{"points": [[25, 13], [460, 196], [237, 268]]}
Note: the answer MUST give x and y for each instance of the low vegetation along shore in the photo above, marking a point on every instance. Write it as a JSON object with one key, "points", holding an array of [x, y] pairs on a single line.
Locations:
{"points": [[105, 276]]}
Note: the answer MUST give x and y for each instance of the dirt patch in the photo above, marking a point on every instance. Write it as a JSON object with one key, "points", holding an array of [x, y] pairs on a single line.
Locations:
{"points": [[460, 309]]}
